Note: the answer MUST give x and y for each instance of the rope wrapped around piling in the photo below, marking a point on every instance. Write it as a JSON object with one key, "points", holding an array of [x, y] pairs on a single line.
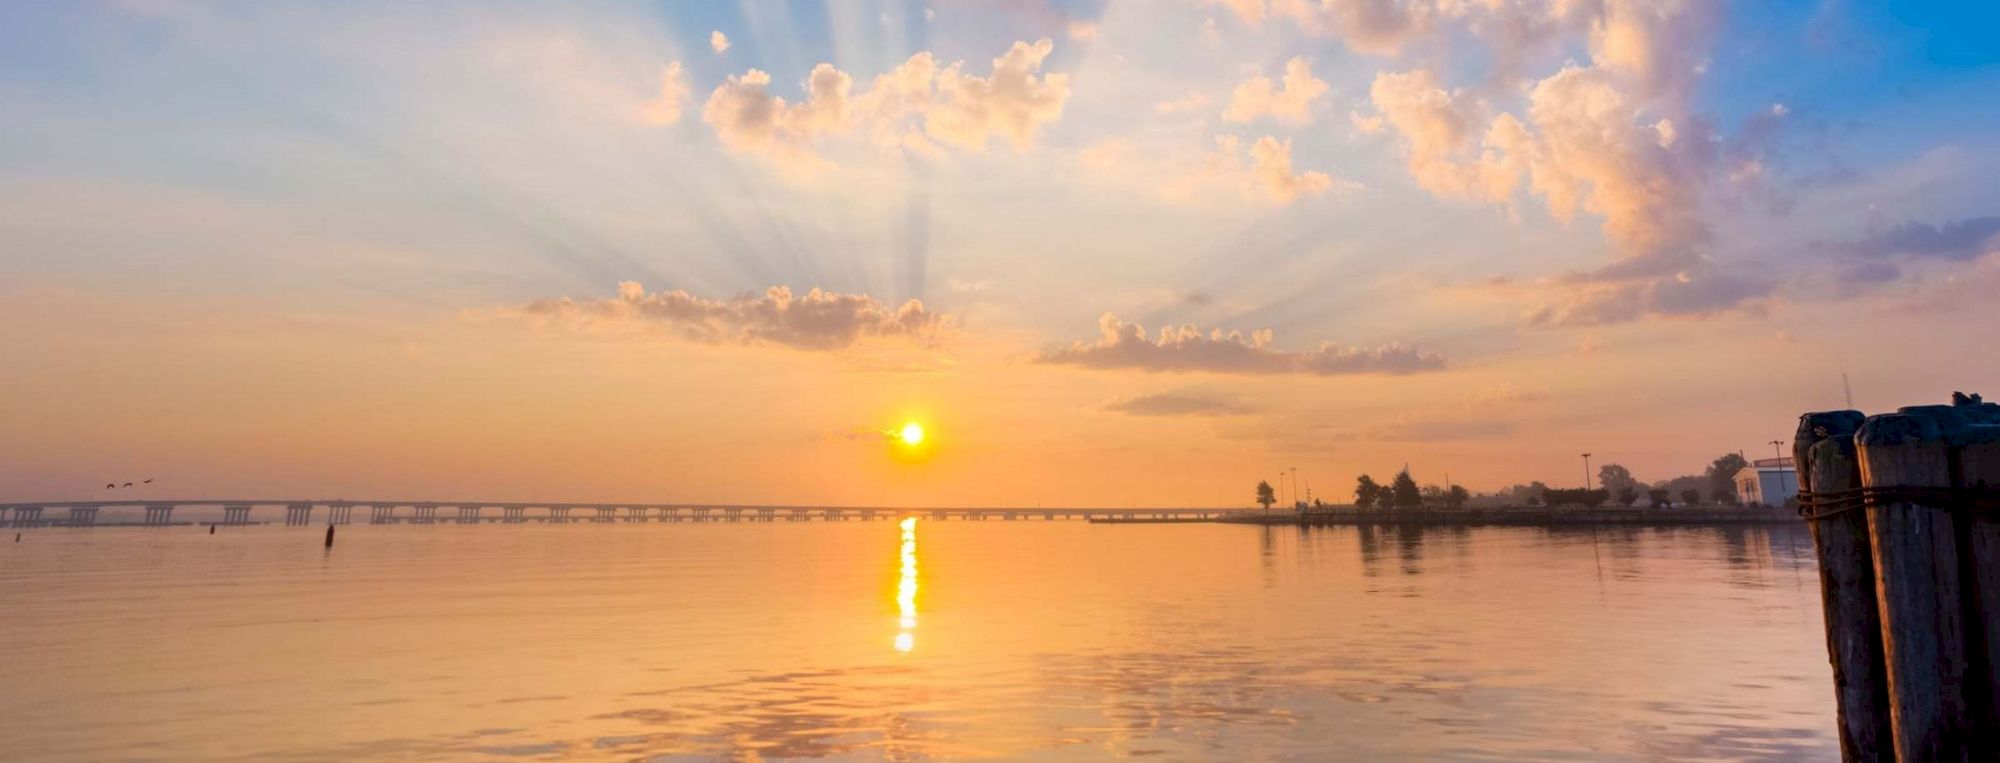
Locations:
{"points": [[1815, 506]]}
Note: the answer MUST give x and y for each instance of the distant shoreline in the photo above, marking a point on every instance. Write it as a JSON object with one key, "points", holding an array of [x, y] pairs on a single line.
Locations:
{"points": [[1522, 516]]}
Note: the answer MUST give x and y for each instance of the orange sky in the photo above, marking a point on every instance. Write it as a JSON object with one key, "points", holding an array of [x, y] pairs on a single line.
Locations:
{"points": [[1114, 256]]}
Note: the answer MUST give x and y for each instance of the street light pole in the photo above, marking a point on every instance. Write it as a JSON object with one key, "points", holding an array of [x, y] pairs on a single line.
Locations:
{"points": [[1586, 471], [1775, 452]]}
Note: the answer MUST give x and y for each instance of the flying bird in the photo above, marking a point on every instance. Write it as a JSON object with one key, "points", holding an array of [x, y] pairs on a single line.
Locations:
{"points": [[149, 482], [128, 484], [110, 485]]}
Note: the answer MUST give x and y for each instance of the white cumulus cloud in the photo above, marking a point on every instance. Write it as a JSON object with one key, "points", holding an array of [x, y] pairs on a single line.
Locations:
{"points": [[1290, 102], [920, 106]]}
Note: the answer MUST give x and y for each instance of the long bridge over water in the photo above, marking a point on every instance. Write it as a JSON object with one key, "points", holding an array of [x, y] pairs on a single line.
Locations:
{"points": [[160, 512]]}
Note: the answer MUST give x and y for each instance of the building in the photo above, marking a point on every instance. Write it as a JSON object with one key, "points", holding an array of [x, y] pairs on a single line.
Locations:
{"points": [[1769, 481]]}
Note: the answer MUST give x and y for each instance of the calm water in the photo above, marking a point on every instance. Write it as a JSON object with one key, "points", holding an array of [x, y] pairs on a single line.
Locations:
{"points": [[850, 641]]}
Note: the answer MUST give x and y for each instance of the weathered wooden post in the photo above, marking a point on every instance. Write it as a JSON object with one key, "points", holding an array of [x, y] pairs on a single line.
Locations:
{"points": [[1830, 500], [1978, 505], [1908, 472]]}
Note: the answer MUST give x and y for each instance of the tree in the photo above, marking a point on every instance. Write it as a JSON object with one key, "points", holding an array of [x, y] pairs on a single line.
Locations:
{"points": [[1627, 495], [1690, 497], [1722, 477], [1404, 491], [1680, 486], [1265, 495], [1366, 492], [1615, 478], [1431, 494], [1660, 497], [1456, 496]]}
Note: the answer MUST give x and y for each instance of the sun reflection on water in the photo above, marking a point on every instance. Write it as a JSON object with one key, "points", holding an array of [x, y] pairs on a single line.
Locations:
{"points": [[906, 589]]}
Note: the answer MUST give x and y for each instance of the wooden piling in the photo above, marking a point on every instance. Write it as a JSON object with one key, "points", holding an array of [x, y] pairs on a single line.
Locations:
{"points": [[1978, 482], [329, 535], [1830, 480], [1905, 459]]}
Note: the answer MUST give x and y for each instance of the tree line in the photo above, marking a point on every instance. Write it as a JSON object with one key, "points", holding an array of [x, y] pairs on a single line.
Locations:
{"points": [[1615, 484]]}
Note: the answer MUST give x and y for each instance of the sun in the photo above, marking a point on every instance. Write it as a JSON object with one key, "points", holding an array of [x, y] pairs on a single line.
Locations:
{"points": [[912, 434]]}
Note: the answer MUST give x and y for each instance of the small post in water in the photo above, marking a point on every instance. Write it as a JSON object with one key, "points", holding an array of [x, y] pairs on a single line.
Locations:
{"points": [[329, 535]]}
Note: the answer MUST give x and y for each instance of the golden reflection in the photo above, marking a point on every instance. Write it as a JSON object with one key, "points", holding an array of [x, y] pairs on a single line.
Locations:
{"points": [[906, 589]]}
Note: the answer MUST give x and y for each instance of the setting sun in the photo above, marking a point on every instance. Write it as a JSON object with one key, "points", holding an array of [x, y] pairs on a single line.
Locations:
{"points": [[913, 434]]}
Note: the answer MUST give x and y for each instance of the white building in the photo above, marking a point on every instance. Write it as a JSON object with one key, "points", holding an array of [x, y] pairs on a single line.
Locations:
{"points": [[1769, 481]]}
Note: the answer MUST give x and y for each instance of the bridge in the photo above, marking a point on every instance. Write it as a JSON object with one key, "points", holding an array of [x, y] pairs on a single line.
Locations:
{"points": [[160, 512]]}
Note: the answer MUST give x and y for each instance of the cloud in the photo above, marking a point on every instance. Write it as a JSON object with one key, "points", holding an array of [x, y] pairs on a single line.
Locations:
{"points": [[1271, 163], [1699, 291], [1265, 171], [1584, 147], [1594, 153], [1367, 26], [1122, 345], [917, 106], [1366, 124], [820, 320], [1011, 103], [718, 42], [1437, 128], [1649, 43], [1258, 97], [1972, 286], [1611, 139], [1175, 404], [746, 117], [666, 109], [1958, 240], [1081, 31]]}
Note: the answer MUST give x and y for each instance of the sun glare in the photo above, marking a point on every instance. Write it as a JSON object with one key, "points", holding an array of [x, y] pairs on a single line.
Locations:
{"points": [[913, 434]]}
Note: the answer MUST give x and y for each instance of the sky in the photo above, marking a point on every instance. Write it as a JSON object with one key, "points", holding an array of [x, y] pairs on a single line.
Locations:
{"points": [[1105, 253]]}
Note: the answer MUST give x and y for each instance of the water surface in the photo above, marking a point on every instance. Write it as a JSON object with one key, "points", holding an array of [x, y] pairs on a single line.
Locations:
{"points": [[861, 641]]}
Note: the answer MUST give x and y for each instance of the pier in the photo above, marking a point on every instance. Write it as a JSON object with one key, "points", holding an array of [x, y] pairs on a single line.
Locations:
{"points": [[301, 513]]}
